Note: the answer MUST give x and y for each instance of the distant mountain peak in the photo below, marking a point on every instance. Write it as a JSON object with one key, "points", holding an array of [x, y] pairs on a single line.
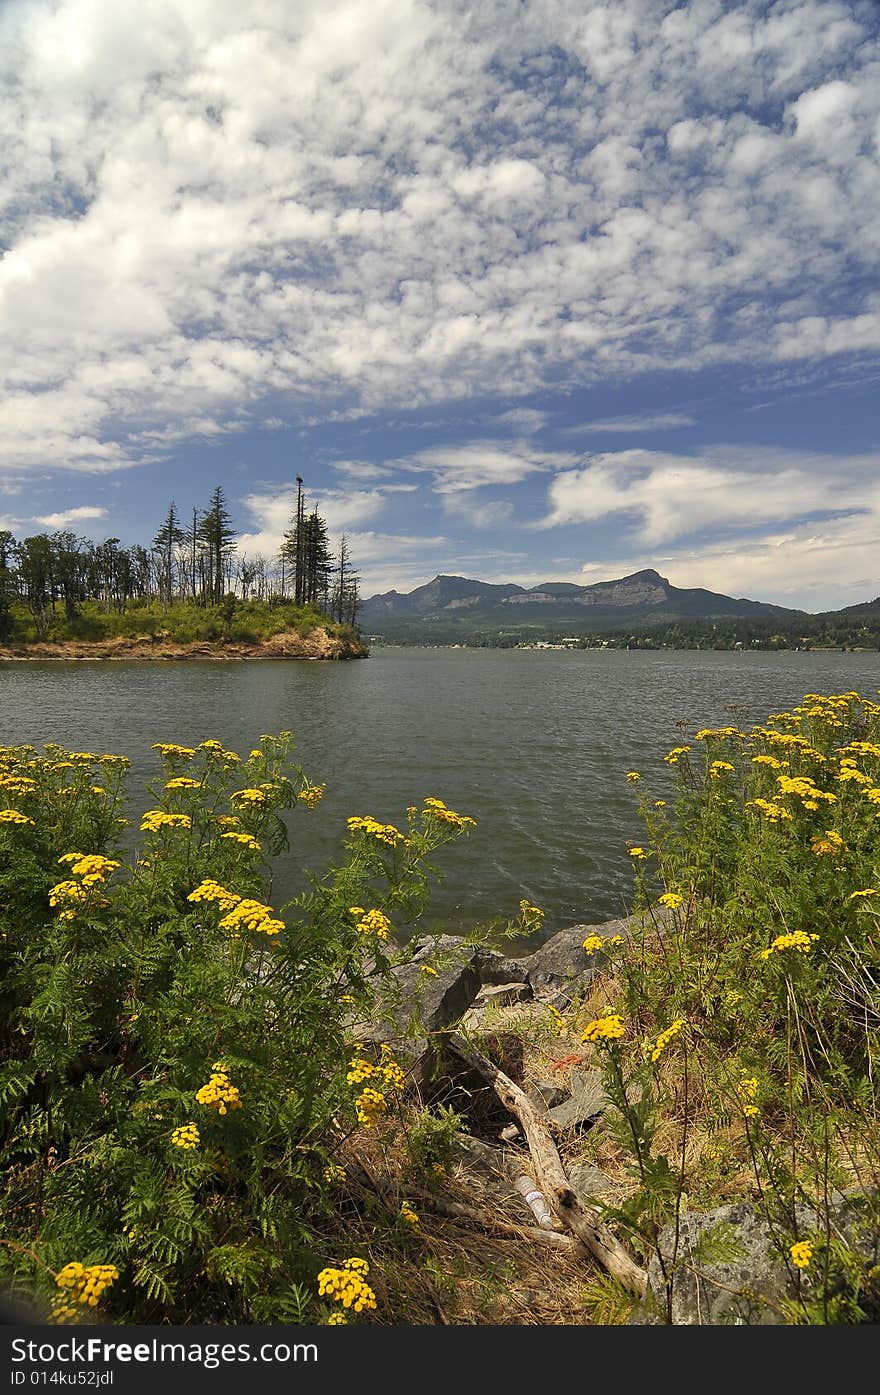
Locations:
{"points": [[642, 597]]}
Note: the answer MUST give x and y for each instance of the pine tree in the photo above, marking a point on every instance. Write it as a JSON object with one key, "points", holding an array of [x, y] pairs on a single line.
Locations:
{"points": [[217, 537], [168, 538]]}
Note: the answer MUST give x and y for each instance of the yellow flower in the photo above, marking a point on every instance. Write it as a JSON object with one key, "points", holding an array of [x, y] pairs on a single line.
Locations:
{"points": [[593, 943], [633, 776], [183, 782], [428, 969], [801, 1253], [84, 1286], [187, 1136], [408, 1214], [245, 840], [373, 922], [435, 808], [604, 1029], [252, 915], [347, 1285], [666, 1037], [671, 899], [219, 1093], [718, 767], [209, 890], [868, 891], [798, 939], [169, 751], [672, 758], [13, 816], [312, 795], [154, 820], [384, 832], [531, 916], [637, 853], [253, 797]]}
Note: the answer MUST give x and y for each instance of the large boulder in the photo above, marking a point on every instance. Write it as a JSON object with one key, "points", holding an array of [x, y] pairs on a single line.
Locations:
{"points": [[753, 1276], [561, 967]]}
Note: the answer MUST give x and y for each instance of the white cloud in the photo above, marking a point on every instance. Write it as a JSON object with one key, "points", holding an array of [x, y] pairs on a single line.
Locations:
{"points": [[457, 468], [348, 207], [66, 517], [728, 489], [650, 421]]}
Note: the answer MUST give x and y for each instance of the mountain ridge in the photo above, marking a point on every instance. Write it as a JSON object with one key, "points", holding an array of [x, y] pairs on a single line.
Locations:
{"points": [[641, 597]]}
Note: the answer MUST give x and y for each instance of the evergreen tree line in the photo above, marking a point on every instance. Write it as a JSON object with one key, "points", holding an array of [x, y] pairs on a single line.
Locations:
{"points": [[195, 562]]}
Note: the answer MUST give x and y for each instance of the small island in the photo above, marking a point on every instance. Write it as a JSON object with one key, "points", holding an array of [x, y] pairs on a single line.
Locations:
{"points": [[191, 595]]}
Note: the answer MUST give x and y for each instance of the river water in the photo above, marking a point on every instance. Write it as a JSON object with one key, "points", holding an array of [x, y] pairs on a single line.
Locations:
{"points": [[534, 745]]}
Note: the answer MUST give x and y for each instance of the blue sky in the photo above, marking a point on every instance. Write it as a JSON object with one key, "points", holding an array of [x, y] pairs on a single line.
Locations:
{"points": [[525, 292]]}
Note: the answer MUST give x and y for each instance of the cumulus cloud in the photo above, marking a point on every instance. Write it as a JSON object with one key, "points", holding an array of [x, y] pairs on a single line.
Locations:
{"points": [[66, 517], [475, 464], [726, 488], [347, 207]]}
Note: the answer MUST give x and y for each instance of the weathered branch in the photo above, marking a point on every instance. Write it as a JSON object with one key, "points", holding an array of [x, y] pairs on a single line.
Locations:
{"points": [[552, 1238], [583, 1221]]}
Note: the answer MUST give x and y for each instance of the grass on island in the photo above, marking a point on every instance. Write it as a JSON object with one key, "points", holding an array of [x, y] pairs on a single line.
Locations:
{"points": [[235, 622]]}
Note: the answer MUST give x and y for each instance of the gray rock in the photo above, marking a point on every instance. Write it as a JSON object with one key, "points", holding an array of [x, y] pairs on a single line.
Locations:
{"points": [[503, 994], [544, 1094], [588, 1180], [588, 1100], [418, 1002], [494, 967], [561, 966], [748, 1286]]}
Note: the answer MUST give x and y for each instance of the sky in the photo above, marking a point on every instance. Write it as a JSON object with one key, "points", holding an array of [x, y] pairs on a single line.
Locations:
{"points": [[528, 290]]}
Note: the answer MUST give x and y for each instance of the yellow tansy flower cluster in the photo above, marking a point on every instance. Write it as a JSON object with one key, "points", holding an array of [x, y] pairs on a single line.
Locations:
{"points": [[435, 808], [747, 1089], [252, 915], [209, 890], [801, 1253], [91, 868], [633, 776], [638, 853], [828, 846], [245, 840], [169, 751], [372, 922], [18, 784], [370, 1105], [408, 1214], [604, 1029], [530, 914], [671, 899], [774, 813], [183, 782], [154, 820], [348, 1285], [13, 816], [666, 1037], [718, 767], [312, 795], [249, 797], [798, 939], [217, 751], [86, 1285], [593, 943], [219, 1093], [187, 1136], [673, 757], [384, 832]]}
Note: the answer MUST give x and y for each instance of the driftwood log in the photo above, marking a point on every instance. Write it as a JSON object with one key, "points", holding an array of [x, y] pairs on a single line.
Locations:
{"points": [[582, 1221]]}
